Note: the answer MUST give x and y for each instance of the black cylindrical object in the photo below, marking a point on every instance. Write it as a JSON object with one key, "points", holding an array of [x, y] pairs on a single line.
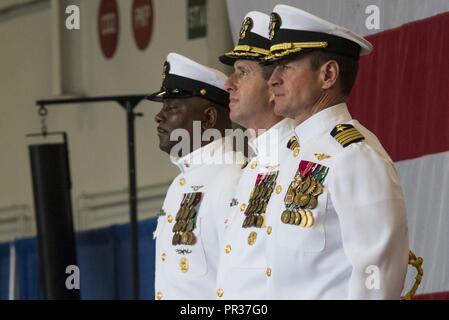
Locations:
{"points": [[53, 210]]}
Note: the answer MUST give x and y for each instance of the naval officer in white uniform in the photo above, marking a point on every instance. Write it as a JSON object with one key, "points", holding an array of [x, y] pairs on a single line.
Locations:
{"points": [[242, 267], [188, 229], [339, 228]]}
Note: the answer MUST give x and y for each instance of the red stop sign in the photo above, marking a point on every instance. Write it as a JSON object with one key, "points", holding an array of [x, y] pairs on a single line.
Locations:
{"points": [[108, 27], [142, 20]]}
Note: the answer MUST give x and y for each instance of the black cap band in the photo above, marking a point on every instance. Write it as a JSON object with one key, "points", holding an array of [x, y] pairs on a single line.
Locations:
{"points": [[310, 40], [178, 87], [251, 47]]}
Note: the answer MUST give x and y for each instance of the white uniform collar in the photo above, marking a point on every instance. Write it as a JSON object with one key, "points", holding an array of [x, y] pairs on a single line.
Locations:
{"points": [[322, 121], [266, 145], [216, 152]]}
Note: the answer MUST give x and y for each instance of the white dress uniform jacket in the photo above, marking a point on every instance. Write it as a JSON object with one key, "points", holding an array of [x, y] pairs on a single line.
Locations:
{"points": [[242, 267], [357, 244], [189, 271]]}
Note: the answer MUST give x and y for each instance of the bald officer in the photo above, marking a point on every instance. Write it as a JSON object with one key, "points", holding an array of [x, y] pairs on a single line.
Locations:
{"points": [[242, 268], [339, 226], [188, 230]]}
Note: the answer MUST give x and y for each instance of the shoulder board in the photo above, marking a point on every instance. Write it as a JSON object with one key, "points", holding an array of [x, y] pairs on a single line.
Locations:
{"points": [[346, 134]]}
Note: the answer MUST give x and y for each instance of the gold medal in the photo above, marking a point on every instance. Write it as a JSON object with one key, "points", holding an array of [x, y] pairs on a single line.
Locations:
{"points": [[298, 196], [259, 221], [189, 226], [264, 219], [312, 186], [176, 239], [252, 221], [185, 213], [190, 238], [312, 203], [184, 238], [257, 191], [264, 207], [292, 218], [297, 218], [249, 208], [245, 222], [310, 219], [179, 214], [192, 213], [176, 227], [285, 216], [304, 200], [298, 177], [253, 208], [269, 191], [295, 184], [305, 184], [318, 189], [303, 222], [260, 193], [183, 226], [259, 207], [289, 198]]}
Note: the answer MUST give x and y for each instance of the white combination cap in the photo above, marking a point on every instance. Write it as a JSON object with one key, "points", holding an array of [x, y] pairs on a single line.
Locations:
{"points": [[184, 78], [254, 43], [293, 31]]}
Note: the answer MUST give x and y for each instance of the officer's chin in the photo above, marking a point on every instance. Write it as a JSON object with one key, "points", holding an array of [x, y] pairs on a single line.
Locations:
{"points": [[280, 110], [165, 144], [236, 117]]}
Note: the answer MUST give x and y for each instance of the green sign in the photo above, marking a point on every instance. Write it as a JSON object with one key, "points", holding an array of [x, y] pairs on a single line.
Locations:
{"points": [[196, 18]]}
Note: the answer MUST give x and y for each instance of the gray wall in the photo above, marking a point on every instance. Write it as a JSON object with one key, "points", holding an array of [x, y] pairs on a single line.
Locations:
{"points": [[39, 58]]}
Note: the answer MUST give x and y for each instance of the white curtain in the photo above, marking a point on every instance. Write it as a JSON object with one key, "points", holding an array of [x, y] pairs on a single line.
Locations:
{"points": [[348, 13]]}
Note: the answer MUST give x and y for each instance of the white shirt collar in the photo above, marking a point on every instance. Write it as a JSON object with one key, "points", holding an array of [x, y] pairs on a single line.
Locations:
{"points": [[322, 121], [266, 145]]}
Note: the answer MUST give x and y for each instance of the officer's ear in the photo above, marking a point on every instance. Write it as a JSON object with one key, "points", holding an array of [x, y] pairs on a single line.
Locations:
{"points": [[329, 73], [210, 117]]}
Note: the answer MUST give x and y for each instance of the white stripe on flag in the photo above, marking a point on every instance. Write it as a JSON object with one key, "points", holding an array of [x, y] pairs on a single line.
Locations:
{"points": [[426, 189]]}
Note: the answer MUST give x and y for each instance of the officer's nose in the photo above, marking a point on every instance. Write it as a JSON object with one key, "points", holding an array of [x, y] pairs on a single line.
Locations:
{"points": [[159, 117], [275, 79], [229, 84]]}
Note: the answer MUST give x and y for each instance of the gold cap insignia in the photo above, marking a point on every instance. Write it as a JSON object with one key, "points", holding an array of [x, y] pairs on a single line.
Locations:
{"points": [[246, 26], [275, 23], [165, 69]]}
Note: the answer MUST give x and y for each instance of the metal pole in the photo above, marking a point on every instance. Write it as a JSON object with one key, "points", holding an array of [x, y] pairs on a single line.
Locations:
{"points": [[133, 199], [128, 102]]}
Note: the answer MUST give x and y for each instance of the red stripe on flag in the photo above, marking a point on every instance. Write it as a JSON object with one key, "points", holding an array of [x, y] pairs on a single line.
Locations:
{"points": [[432, 296], [402, 90]]}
